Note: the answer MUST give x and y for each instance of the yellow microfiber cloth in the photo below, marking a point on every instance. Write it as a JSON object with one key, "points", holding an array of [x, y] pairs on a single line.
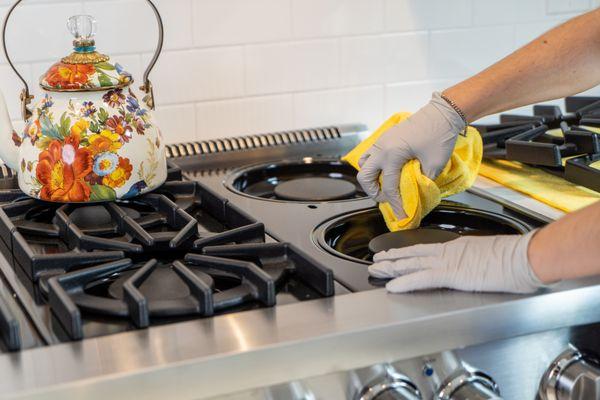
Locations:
{"points": [[420, 194], [540, 185]]}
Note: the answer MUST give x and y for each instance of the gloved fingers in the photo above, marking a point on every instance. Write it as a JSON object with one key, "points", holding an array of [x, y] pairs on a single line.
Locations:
{"points": [[419, 250], [432, 169], [363, 159], [436, 159], [390, 191], [425, 279], [368, 176], [392, 269]]}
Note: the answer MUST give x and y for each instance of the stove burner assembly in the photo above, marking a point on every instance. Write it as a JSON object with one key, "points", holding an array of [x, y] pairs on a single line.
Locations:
{"points": [[359, 235], [565, 144], [179, 252], [307, 180], [411, 237]]}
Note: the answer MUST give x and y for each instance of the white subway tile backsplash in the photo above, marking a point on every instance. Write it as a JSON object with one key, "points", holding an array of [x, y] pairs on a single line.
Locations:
{"points": [[492, 12], [194, 75], [567, 6], [413, 15], [467, 51], [406, 57], [285, 67], [388, 58], [124, 26], [234, 67], [525, 33], [11, 88], [243, 116], [363, 60], [363, 105], [177, 19], [218, 22], [317, 18], [39, 31], [411, 96], [177, 123]]}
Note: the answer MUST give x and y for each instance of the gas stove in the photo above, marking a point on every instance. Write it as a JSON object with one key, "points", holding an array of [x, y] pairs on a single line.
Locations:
{"points": [[565, 144], [253, 245]]}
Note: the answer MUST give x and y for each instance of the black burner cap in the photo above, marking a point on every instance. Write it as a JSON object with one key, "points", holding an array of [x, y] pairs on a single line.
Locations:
{"points": [[315, 189], [411, 237]]}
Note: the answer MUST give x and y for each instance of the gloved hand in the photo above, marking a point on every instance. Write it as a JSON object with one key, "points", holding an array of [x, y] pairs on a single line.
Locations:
{"points": [[470, 263], [429, 135]]}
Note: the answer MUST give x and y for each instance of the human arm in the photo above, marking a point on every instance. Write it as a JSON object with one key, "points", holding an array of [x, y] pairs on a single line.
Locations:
{"points": [[561, 62]]}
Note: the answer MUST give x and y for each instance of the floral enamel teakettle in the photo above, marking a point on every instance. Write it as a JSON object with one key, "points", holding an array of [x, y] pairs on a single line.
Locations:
{"points": [[89, 138]]}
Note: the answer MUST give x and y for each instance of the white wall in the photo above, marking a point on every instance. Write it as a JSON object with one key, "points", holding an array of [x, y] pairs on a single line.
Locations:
{"points": [[234, 67]]}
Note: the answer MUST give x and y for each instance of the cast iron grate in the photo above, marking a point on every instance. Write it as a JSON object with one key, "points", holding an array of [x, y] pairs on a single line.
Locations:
{"points": [[221, 278], [9, 327], [47, 239], [564, 144]]}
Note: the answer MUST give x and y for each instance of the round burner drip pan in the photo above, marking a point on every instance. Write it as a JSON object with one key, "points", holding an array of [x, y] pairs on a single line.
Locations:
{"points": [[306, 181], [359, 235]]}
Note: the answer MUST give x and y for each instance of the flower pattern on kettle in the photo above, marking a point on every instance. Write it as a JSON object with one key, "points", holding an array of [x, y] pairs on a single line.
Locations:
{"points": [[79, 156]]}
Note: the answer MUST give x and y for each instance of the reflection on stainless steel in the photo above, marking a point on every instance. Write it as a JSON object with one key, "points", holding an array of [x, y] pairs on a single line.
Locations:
{"points": [[571, 376], [382, 382], [196, 358], [465, 384]]}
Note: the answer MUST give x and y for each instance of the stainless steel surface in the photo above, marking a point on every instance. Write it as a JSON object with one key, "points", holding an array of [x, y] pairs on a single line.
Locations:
{"points": [[474, 391], [464, 384], [571, 376], [310, 350], [382, 382], [195, 359]]}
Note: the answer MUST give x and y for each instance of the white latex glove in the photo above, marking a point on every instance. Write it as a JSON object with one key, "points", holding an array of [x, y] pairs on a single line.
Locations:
{"points": [[470, 263], [428, 135]]}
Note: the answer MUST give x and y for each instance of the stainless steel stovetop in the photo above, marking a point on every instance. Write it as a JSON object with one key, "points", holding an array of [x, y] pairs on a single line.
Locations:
{"points": [[360, 342]]}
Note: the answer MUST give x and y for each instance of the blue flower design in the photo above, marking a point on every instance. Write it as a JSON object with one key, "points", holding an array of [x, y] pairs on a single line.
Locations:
{"points": [[132, 104], [105, 163], [121, 70], [47, 102], [88, 108]]}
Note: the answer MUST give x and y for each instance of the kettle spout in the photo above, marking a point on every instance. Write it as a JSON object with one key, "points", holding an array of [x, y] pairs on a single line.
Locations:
{"points": [[9, 152]]}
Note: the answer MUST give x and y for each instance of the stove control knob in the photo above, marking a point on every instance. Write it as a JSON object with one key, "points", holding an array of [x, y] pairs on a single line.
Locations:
{"points": [[468, 385], [571, 376], [383, 382]]}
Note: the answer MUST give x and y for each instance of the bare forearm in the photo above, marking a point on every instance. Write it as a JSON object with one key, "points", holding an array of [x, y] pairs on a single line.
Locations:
{"points": [[568, 248], [561, 62]]}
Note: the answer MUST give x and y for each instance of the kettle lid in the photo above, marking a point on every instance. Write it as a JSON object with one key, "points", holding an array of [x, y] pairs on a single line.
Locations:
{"points": [[84, 69]]}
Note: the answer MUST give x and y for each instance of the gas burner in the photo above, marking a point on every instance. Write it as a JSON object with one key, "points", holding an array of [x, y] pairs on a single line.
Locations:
{"points": [[410, 237], [222, 278], [564, 144], [308, 180], [358, 235], [48, 238]]}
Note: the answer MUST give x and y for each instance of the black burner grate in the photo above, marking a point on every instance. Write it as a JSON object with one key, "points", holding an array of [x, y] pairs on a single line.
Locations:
{"points": [[189, 287], [179, 252], [564, 144]]}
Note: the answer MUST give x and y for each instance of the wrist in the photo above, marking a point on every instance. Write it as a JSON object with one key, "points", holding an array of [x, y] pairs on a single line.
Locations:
{"points": [[462, 101], [539, 264], [449, 111]]}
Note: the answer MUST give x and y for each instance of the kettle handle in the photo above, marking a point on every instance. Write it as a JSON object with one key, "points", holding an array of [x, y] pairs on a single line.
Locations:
{"points": [[26, 97]]}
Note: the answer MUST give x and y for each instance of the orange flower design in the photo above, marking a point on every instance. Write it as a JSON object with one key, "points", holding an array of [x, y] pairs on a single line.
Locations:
{"points": [[61, 171], [69, 76], [105, 141], [120, 175]]}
